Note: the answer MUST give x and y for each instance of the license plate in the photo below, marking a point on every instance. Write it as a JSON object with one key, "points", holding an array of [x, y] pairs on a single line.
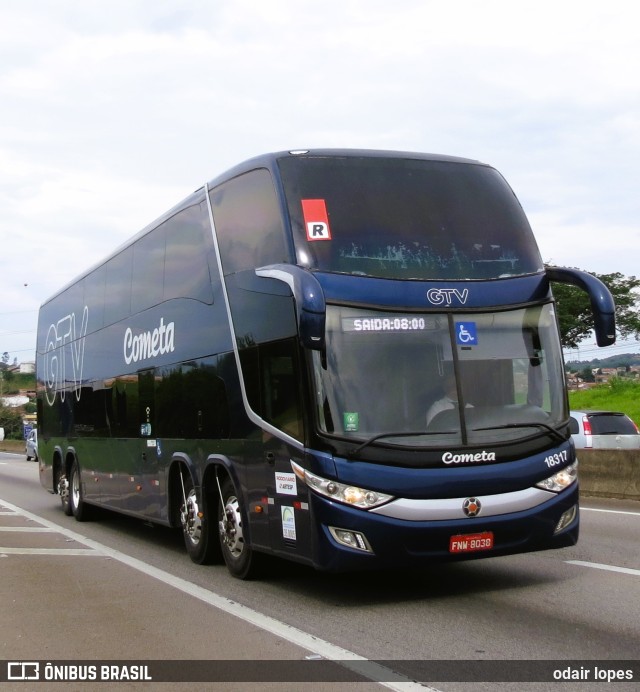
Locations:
{"points": [[471, 542]]}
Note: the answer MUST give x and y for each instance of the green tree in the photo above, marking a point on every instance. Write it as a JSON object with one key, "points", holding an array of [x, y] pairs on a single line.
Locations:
{"points": [[587, 375], [11, 421], [574, 309]]}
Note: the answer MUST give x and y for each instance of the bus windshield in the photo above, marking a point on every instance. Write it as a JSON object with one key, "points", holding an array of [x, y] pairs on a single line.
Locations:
{"points": [[441, 379], [406, 218]]}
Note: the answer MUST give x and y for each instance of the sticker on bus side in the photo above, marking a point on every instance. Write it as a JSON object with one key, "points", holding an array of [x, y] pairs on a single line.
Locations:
{"points": [[316, 219], [286, 483], [288, 523]]}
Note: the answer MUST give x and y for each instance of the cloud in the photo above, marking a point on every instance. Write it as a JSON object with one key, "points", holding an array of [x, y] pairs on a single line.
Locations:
{"points": [[113, 112]]}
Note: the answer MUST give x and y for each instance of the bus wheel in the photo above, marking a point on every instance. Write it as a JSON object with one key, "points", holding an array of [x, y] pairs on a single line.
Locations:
{"points": [[78, 506], [200, 541], [63, 491], [240, 559]]}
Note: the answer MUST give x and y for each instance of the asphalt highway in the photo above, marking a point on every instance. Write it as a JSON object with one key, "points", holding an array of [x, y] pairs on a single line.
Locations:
{"points": [[117, 589]]}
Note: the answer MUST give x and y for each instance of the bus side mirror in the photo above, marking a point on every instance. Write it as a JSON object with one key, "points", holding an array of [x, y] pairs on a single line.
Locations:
{"points": [[602, 304], [309, 299]]}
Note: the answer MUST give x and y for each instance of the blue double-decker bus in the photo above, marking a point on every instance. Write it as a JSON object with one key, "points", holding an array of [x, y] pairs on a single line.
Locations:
{"points": [[346, 358]]}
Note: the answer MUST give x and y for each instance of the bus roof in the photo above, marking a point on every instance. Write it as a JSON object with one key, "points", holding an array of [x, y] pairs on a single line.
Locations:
{"points": [[268, 161]]}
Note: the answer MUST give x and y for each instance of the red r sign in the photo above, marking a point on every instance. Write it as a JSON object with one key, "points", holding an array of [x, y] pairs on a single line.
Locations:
{"points": [[316, 219]]}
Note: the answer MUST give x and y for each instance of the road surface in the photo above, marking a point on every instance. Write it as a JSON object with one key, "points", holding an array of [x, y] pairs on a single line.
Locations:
{"points": [[118, 589]]}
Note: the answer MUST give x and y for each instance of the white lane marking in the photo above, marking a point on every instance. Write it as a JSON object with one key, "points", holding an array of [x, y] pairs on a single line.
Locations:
{"points": [[27, 529], [609, 511], [49, 551], [609, 568], [360, 664]]}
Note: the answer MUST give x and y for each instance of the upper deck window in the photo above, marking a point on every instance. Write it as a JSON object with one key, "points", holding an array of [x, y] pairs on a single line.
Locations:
{"points": [[248, 222], [406, 218]]}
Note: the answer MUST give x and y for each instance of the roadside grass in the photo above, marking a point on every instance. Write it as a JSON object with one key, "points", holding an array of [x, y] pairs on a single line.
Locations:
{"points": [[617, 395]]}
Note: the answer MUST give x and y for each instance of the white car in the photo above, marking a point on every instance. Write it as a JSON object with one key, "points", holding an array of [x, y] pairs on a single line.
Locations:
{"points": [[32, 445], [603, 430]]}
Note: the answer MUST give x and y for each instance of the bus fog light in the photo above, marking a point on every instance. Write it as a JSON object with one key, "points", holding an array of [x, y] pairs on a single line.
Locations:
{"points": [[566, 518], [352, 539]]}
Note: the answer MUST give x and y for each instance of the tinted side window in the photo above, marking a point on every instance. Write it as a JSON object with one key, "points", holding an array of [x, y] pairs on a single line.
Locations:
{"points": [[94, 297], [573, 426], [191, 401], [269, 372], [171, 261], [186, 272], [148, 270], [248, 222], [117, 303], [56, 320], [124, 407], [280, 395]]}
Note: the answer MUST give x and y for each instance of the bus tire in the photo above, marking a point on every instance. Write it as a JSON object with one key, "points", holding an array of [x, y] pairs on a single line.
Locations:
{"points": [[78, 506], [242, 562], [199, 528]]}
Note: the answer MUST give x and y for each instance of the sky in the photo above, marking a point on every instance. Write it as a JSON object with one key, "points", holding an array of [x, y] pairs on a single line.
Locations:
{"points": [[111, 112]]}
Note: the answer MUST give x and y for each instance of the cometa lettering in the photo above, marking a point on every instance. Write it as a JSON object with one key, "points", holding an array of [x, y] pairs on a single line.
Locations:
{"points": [[450, 458], [149, 344]]}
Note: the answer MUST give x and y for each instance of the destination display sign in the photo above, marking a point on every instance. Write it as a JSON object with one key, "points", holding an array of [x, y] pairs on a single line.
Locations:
{"points": [[389, 323]]}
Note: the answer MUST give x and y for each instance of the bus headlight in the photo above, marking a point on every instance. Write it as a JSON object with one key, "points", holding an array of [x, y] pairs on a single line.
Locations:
{"points": [[560, 480], [347, 494]]}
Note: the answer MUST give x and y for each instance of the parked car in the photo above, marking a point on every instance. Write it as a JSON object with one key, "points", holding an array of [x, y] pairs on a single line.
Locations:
{"points": [[603, 430], [32, 445]]}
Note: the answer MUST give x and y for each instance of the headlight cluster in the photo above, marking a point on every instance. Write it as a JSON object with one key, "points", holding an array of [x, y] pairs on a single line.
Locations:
{"points": [[348, 494], [560, 480]]}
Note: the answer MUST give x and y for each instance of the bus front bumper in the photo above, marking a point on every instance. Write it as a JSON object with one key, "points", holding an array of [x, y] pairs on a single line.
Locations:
{"points": [[348, 539]]}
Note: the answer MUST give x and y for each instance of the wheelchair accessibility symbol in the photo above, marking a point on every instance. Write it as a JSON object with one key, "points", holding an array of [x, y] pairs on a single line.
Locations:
{"points": [[466, 334]]}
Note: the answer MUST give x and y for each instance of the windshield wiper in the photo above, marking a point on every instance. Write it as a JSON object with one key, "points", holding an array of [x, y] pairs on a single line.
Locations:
{"points": [[551, 430], [373, 439], [544, 426]]}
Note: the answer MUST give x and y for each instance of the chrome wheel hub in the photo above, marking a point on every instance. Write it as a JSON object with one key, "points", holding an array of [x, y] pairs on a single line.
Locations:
{"points": [[63, 489], [231, 527], [75, 490], [191, 518]]}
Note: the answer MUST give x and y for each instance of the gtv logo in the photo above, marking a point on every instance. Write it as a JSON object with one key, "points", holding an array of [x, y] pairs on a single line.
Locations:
{"points": [[64, 356], [447, 296]]}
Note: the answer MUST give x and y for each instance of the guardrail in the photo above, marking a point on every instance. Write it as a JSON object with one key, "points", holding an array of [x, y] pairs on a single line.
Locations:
{"points": [[609, 473]]}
